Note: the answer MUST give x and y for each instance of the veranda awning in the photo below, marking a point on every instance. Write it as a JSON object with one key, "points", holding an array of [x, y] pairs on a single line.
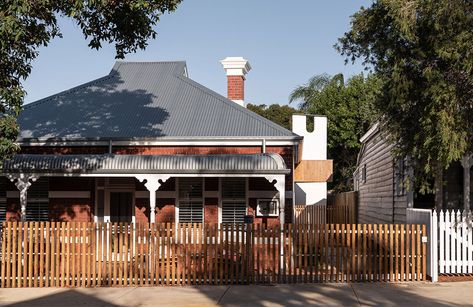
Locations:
{"points": [[268, 163]]}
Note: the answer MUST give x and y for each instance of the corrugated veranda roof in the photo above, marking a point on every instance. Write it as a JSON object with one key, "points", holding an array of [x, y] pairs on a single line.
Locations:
{"points": [[176, 164]]}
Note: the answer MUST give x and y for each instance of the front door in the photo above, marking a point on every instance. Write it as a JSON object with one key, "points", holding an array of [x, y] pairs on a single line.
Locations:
{"points": [[121, 206]]}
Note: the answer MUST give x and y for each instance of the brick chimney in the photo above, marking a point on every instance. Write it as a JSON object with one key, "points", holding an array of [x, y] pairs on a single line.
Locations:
{"points": [[236, 69]]}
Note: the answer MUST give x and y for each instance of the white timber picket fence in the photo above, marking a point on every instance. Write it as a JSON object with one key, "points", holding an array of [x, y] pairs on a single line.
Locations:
{"points": [[450, 246]]}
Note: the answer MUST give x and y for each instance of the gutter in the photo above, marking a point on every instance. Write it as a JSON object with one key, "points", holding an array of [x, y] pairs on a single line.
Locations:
{"points": [[185, 141]]}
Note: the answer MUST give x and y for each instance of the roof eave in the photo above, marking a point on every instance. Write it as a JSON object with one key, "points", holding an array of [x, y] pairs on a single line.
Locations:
{"points": [[135, 141]]}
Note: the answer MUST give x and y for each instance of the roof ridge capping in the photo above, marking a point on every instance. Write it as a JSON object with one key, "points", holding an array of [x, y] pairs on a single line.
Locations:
{"points": [[181, 65], [371, 131]]}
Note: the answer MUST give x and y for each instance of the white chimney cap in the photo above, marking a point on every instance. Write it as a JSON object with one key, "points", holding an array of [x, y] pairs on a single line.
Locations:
{"points": [[236, 66]]}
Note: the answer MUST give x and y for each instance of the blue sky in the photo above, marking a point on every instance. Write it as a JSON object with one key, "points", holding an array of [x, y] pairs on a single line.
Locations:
{"points": [[286, 43]]}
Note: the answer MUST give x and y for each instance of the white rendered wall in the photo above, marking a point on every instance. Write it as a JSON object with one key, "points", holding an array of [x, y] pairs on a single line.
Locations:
{"points": [[314, 147], [311, 193]]}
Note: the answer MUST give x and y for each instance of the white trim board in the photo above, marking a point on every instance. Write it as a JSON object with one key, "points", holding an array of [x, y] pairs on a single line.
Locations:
{"points": [[159, 194]]}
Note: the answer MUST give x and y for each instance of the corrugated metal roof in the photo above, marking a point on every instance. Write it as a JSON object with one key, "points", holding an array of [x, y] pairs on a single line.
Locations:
{"points": [[142, 100], [185, 164]]}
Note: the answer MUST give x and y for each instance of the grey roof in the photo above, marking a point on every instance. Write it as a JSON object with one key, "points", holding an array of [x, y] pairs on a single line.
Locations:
{"points": [[142, 101], [180, 164]]}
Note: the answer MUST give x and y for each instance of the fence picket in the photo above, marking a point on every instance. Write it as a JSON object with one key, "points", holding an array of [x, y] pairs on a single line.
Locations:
{"points": [[14, 250]]}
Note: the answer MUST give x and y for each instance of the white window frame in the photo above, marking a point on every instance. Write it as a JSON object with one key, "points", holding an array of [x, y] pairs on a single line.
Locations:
{"points": [[400, 176], [258, 209], [106, 211], [221, 199], [43, 200], [179, 200], [107, 188]]}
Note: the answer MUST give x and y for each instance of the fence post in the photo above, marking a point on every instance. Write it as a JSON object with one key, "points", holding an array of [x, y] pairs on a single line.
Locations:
{"points": [[249, 252], [282, 243], [434, 264]]}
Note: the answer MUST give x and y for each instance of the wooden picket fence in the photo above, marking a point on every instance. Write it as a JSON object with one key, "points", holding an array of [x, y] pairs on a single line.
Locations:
{"points": [[311, 214], [60, 254], [341, 207], [455, 241]]}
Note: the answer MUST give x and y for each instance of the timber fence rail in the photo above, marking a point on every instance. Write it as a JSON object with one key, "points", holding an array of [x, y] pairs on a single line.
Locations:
{"points": [[63, 254]]}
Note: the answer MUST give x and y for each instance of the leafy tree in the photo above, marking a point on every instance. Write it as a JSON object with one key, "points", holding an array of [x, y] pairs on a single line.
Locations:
{"points": [[26, 25], [348, 107], [422, 52], [281, 115]]}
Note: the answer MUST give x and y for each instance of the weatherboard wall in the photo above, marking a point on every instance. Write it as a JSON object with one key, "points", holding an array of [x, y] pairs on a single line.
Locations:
{"points": [[377, 202]]}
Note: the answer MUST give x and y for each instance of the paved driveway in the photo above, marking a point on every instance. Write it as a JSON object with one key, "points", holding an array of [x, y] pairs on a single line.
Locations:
{"points": [[361, 294]]}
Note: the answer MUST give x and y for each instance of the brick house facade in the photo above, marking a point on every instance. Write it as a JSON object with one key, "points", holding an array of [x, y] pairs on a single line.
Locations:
{"points": [[147, 144]]}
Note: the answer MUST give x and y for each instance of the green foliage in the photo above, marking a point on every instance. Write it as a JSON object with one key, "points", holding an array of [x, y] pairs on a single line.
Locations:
{"points": [[26, 25], [349, 111], [422, 51], [281, 115]]}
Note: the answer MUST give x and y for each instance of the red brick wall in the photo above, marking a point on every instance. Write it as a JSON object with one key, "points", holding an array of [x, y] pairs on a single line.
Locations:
{"points": [[60, 210], [211, 210], [165, 210], [236, 87], [13, 209], [141, 210], [71, 210]]}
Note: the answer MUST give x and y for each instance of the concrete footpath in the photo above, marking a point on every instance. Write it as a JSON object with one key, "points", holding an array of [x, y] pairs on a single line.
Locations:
{"points": [[357, 294]]}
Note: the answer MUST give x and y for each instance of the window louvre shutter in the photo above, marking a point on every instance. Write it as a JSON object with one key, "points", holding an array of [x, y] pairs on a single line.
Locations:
{"points": [[233, 212], [3, 199], [3, 210], [37, 211], [191, 212], [191, 205], [37, 208], [233, 200]]}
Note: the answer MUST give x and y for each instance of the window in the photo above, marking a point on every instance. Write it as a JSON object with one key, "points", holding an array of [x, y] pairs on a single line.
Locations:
{"points": [[267, 207], [356, 180], [191, 209], [3, 199], [233, 200], [400, 176], [100, 205], [363, 174], [37, 208]]}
